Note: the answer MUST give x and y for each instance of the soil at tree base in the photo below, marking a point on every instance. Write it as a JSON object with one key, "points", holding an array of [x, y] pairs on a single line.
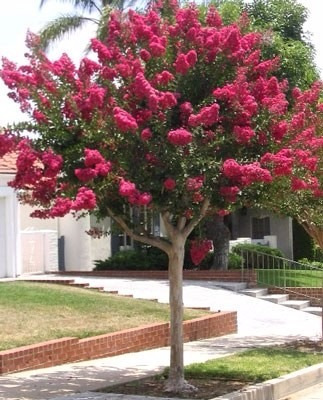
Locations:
{"points": [[207, 388], [154, 386]]}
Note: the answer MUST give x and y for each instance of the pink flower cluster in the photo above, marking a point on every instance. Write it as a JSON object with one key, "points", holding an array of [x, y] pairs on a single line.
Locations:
{"points": [[124, 121], [128, 189], [193, 184], [146, 134], [156, 99], [179, 137], [95, 166], [185, 61], [7, 143], [247, 174], [230, 193], [85, 199], [281, 162], [169, 184], [199, 250], [207, 116], [52, 163]]}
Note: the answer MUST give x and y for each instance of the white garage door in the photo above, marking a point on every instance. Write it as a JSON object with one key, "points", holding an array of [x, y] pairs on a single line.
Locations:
{"points": [[3, 255]]}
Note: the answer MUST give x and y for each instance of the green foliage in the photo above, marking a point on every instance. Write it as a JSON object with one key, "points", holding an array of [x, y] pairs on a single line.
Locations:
{"points": [[258, 256], [285, 17], [315, 264], [58, 28], [235, 261], [284, 20], [254, 365], [151, 259], [230, 10]]}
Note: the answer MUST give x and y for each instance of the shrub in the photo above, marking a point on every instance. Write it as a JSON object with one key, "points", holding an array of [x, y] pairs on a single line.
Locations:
{"points": [[252, 258], [144, 259], [315, 264], [235, 261]]}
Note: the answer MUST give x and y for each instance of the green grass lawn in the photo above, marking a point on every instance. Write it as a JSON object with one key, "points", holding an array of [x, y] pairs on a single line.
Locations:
{"points": [[35, 312], [254, 365], [290, 277], [224, 375]]}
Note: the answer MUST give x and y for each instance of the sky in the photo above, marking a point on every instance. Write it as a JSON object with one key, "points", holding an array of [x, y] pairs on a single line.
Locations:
{"points": [[18, 16]]}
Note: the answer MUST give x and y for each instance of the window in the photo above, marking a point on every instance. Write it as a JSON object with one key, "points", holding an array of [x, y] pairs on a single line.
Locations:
{"points": [[260, 227]]}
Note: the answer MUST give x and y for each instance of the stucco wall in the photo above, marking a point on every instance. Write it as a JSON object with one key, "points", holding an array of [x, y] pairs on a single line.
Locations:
{"points": [[279, 226], [28, 223], [100, 247], [9, 239]]}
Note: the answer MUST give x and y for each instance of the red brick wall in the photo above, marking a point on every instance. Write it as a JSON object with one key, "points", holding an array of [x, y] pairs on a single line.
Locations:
{"points": [[64, 350], [301, 293], [228, 276]]}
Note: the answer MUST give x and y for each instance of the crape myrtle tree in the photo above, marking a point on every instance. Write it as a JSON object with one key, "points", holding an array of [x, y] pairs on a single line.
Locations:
{"points": [[179, 115], [281, 22]]}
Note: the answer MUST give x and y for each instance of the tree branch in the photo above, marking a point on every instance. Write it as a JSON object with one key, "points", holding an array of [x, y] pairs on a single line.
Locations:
{"points": [[195, 221], [153, 241]]}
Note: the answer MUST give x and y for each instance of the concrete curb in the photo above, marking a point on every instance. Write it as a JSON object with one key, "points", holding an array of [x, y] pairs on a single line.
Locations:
{"points": [[273, 389], [112, 396], [277, 388]]}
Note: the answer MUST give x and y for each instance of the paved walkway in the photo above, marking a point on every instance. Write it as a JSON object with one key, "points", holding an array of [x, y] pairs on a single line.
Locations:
{"points": [[260, 323], [312, 393]]}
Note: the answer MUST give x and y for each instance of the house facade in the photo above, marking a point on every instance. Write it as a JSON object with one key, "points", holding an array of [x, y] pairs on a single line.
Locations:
{"points": [[263, 227], [29, 245]]}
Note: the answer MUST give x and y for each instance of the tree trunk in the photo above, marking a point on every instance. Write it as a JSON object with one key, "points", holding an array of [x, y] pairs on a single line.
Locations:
{"points": [[315, 232], [219, 233], [176, 382]]}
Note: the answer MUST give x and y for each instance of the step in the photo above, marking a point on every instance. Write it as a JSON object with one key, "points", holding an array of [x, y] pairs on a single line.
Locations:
{"points": [[80, 285], [99, 288], [234, 286], [297, 304], [313, 310], [275, 298], [256, 292]]}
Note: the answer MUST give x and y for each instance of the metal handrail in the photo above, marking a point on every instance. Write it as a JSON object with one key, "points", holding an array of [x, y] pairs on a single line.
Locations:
{"points": [[283, 273]]}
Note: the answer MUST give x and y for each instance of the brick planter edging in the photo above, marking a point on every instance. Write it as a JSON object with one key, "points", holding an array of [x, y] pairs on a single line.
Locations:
{"points": [[236, 275], [72, 349]]}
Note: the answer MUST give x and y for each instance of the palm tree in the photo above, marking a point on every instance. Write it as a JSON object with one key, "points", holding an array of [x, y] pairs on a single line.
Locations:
{"points": [[87, 11]]}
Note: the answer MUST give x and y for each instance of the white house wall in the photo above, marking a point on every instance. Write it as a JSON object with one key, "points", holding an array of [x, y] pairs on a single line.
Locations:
{"points": [[100, 247], [77, 243], [35, 224], [9, 239], [281, 227]]}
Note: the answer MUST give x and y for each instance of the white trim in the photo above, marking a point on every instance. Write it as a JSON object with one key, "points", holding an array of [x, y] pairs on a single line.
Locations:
{"points": [[12, 243]]}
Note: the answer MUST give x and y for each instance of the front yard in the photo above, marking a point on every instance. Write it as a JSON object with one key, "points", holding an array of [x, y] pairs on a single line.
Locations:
{"points": [[33, 312]]}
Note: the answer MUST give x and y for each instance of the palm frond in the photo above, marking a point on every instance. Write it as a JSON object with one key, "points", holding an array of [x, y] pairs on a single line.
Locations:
{"points": [[85, 5], [61, 26], [101, 32], [119, 4]]}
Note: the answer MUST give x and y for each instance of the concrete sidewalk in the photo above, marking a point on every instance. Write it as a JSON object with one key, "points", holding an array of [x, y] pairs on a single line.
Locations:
{"points": [[260, 323], [85, 376]]}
